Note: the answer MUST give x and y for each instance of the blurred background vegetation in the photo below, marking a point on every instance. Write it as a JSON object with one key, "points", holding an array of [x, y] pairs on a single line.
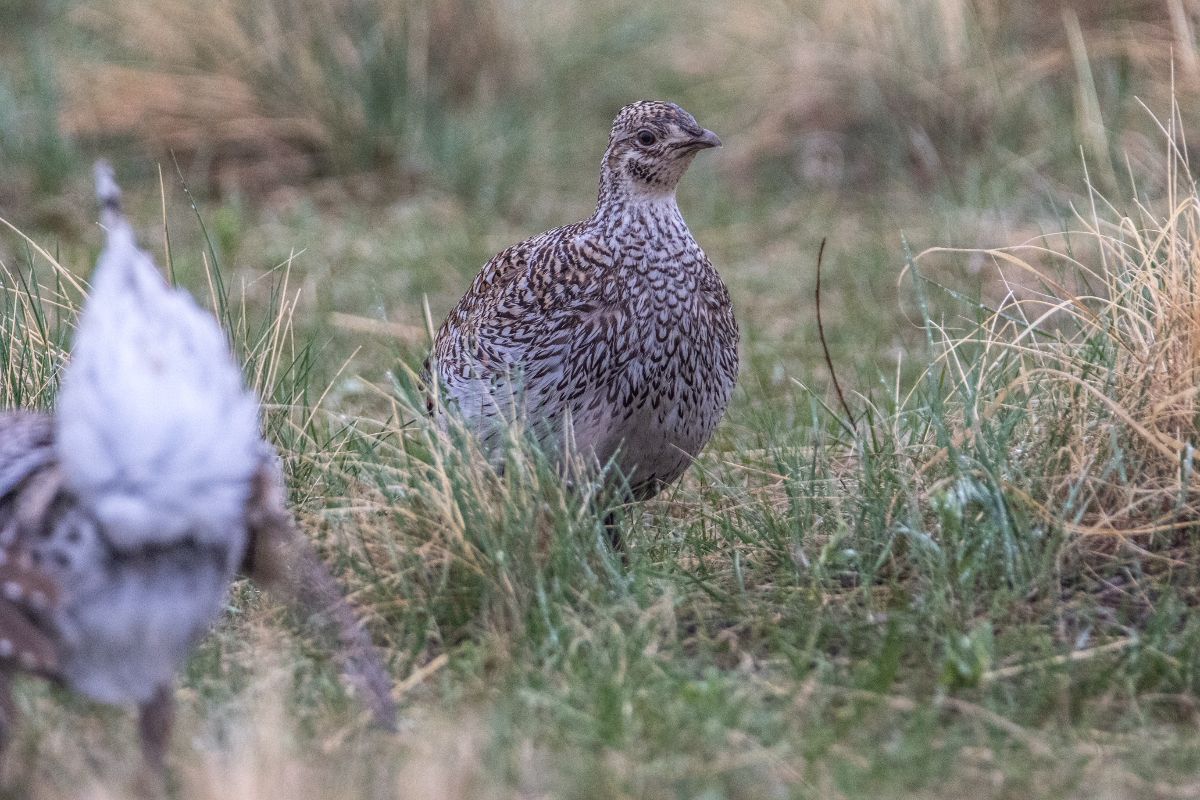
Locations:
{"points": [[399, 144], [936, 604], [476, 96]]}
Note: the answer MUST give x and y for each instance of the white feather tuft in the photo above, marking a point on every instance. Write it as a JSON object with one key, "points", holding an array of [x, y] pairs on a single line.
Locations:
{"points": [[156, 433]]}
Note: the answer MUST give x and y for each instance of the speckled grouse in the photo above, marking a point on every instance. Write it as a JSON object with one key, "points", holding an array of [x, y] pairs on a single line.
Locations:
{"points": [[612, 338], [125, 516]]}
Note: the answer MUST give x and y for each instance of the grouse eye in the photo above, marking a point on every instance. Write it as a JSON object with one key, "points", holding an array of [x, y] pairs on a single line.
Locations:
{"points": [[646, 138]]}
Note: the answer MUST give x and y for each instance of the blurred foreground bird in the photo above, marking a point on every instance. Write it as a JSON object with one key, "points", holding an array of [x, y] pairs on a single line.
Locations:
{"points": [[612, 339], [125, 516]]}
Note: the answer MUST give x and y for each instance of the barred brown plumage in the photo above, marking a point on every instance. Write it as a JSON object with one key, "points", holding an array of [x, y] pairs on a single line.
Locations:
{"points": [[613, 338]]}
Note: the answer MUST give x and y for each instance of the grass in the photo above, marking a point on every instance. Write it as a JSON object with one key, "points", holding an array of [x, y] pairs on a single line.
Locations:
{"points": [[983, 584]]}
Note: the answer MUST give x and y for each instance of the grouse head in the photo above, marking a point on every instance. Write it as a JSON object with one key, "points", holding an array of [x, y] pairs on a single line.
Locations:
{"points": [[651, 145]]}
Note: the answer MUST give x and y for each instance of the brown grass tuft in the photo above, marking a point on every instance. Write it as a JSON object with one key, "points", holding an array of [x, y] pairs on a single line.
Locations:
{"points": [[841, 90], [1109, 365], [278, 91]]}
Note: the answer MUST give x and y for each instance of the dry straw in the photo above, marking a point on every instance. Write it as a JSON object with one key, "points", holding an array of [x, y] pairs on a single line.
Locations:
{"points": [[1107, 355]]}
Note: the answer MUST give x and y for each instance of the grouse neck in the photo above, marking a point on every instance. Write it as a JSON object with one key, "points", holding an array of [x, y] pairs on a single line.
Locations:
{"points": [[614, 192], [642, 217]]}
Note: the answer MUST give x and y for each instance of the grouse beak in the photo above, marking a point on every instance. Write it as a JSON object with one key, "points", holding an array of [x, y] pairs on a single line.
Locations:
{"points": [[706, 140]]}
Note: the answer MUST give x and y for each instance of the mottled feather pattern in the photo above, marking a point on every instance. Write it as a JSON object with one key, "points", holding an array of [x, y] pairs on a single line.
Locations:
{"points": [[26, 445], [26, 591], [613, 337]]}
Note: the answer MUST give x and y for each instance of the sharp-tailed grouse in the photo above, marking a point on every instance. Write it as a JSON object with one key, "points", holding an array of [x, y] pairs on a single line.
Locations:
{"points": [[613, 338], [125, 516]]}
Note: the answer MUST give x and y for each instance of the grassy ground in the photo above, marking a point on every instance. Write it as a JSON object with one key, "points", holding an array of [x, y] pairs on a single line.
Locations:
{"points": [[981, 584]]}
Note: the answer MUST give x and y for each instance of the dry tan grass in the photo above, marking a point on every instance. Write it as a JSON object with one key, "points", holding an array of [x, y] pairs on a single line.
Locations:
{"points": [[251, 747], [838, 89], [1110, 361], [275, 92], [28, 334]]}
